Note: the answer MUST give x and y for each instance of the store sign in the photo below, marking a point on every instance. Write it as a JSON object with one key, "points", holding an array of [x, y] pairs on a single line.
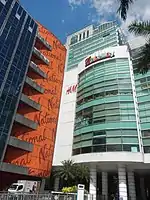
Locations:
{"points": [[102, 56], [71, 89]]}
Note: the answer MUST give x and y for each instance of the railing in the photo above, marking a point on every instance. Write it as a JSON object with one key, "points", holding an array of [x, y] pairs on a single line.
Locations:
{"points": [[44, 196]]}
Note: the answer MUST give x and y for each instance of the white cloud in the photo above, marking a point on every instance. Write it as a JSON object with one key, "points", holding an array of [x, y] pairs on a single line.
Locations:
{"points": [[62, 21], [105, 9], [75, 3]]}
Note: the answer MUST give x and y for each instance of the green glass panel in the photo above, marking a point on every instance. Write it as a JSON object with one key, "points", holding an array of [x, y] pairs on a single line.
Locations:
{"points": [[146, 141], [77, 145], [86, 143], [115, 140], [130, 140], [87, 136]]}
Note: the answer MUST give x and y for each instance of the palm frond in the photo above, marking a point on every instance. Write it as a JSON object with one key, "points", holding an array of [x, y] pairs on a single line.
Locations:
{"points": [[124, 7], [143, 64], [140, 28]]}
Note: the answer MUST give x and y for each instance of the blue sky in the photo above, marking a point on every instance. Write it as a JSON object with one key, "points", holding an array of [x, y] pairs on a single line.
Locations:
{"points": [[59, 16], [64, 17]]}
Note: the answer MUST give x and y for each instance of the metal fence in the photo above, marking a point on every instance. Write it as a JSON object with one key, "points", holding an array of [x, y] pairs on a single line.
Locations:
{"points": [[44, 196]]}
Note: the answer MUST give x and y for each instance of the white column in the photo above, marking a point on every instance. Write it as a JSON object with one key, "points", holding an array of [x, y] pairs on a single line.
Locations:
{"points": [[56, 184], [93, 180], [131, 186], [105, 185], [122, 182]]}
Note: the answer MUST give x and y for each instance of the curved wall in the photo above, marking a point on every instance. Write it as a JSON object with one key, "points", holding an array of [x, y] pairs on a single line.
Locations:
{"points": [[105, 111]]}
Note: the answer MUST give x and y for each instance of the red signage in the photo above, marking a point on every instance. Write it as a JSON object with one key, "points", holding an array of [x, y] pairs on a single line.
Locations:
{"points": [[71, 89], [102, 56]]}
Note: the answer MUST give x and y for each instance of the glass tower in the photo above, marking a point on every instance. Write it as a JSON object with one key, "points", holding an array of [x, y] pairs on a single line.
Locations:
{"points": [[91, 39], [17, 35], [105, 111], [142, 83]]}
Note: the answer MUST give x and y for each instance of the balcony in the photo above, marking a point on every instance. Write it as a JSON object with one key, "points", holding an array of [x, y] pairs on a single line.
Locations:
{"points": [[26, 122], [11, 168], [20, 144], [25, 99], [36, 69], [47, 45], [40, 56], [34, 85]]}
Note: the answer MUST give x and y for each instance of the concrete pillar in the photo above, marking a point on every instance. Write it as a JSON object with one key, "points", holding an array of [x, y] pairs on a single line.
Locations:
{"points": [[142, 186], [105, 185], [56, 184], [122, 182], [93, 180], [42, 186], [131, 186]]}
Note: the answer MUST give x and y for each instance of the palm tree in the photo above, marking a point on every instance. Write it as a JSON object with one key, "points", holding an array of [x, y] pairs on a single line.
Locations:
{"points": [[138, 28], [72, 174], [66, 172], [82, 174], [142, 29], [124, 7]]}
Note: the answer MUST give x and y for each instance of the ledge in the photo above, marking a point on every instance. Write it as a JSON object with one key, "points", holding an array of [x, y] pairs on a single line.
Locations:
{"points": [[25, 99], [36, 69], [34, 85], [11, 168], [40, 55], [26, 122], [44, 41], [20, 144]]}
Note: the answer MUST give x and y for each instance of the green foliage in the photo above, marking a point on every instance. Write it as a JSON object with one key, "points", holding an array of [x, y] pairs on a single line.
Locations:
{"points": [[140, 28], [72, 189], [124, 7], [143, 64], [73, 174]]}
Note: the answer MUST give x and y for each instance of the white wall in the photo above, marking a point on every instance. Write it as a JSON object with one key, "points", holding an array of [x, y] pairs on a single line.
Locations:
{"points": [[64, 135]]}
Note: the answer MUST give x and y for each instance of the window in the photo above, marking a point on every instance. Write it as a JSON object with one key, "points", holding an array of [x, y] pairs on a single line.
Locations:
{"points": [[87, 33], [76, 151], [80, 37], [116, 147], [83, 35], [147, 149], [146, 133], [101, 148], [99, 140], [86, 150], [74, 39]]}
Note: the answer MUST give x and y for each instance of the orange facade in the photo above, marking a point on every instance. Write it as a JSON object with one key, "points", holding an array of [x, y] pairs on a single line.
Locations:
{"points": [[39, 161]]}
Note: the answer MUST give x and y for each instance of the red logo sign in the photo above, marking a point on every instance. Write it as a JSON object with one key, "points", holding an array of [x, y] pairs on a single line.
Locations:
{"points": [[71, 89], [93, 59]]}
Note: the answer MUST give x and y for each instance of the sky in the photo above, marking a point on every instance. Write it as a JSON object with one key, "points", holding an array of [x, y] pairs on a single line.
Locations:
{"points": [[63, 17]]}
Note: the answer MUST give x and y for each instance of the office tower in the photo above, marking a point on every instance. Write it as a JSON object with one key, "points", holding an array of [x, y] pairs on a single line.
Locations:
{"points": [[31, 73], [91, 39], [100, 121]]}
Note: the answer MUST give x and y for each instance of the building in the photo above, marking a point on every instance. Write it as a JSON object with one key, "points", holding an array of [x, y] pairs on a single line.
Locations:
{"points": [[102, 121], [88, 40], [31, 74]]}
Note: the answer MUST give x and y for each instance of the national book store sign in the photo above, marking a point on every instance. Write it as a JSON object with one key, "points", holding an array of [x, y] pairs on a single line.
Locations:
{"points": [[100, 56]]}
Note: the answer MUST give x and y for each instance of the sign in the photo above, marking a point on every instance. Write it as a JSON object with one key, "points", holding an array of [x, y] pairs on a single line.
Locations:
{"points": [[71, 89], [102, 56]]}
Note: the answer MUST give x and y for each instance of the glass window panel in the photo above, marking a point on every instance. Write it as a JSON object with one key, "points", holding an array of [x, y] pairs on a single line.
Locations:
{"points": [[101, 140], [115, 140], [101, 148], [116, 147], [130, 140]]}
